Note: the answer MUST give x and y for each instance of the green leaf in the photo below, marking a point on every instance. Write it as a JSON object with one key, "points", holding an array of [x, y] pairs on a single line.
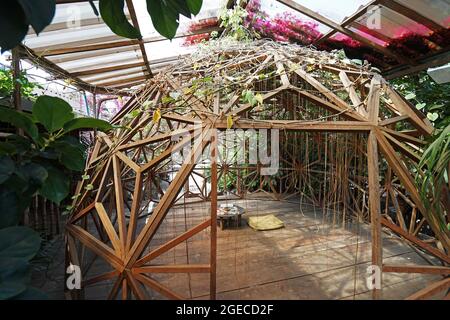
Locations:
{"points": [[87, 123], [38, 13], [9, 290], [433, 116], [420, 106], [7, 168], [195, 6], [72, 157], [410, 96], [259, 98], [19, 120], [9, 214], [113, 14], [31, 294], [56, 186], [21, 144], [35, 175], [19, 242], [7, 148], [437, 107], [52, 112], [14, 270], [13, 26], [180, 7], [164, 17]]}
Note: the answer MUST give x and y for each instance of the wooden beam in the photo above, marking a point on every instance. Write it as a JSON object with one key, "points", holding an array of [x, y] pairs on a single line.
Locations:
{"points": [[166, 201], [439, 270], [431, 290], [179, 268], [158, 287], [109, 228], [343, 107], [120, 210], [107, 69], [95, 245], [435, 60], [118, 75], [292, 125], [393, 120], [213, 241], [122, 81], [173, 243], [156, 138], [373, 100], [374, 206], [87, 48], [17, 95], [331, 24], [350, 88], [141, 43], [405, 108], [425, 246], [60, 73]]}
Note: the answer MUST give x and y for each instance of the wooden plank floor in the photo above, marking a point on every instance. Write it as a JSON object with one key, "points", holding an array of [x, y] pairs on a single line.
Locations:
{"points": [[311, 258], [308, 259]]}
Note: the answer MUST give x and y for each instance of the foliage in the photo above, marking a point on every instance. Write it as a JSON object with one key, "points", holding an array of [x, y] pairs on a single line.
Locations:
{"points": [[433, 176], [38, 162], [427, 95], [165, 15], [7, 84], [16, 20], [233, 22]]}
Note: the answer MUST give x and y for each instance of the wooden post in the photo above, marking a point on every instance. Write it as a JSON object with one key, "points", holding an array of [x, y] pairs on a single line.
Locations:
{"points": [[213, 216], [17, 98], [374, 206]]}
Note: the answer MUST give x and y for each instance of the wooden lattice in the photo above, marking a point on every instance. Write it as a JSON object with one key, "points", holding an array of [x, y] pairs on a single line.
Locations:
{"points": [[246, 86]]}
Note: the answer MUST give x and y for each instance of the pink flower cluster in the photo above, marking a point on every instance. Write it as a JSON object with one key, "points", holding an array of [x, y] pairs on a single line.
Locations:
{"points": [[283, 27]]}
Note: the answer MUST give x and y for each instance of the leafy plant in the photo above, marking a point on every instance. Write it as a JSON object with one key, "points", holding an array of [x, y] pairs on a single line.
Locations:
{"points": [[427, 95], [165, 15], [40, 161], [233, 22], [433, 177], [7, 84]]}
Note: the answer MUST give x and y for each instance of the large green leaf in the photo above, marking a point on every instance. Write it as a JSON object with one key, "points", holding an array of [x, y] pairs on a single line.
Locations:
{"points": [[38, 13], [16, 144], [87, 123], [71, 153], [14, 269], [7, 168], [164, 17], [19, 120], [194, 6], [35, 175], [9, 213], [31, 294], [13, 25], [7, 148], [113, 14], [181, 7], [52, 112], [56, 186], [11, 289], [19, 242]]}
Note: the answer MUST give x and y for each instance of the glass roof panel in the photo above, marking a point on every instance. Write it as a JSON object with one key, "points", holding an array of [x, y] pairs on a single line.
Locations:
{"points": [[436, 10], [394, 25], [164, 48]]}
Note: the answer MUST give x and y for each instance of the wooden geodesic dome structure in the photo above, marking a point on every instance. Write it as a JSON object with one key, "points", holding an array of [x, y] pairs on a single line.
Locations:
{"points": [[334, 119]]}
